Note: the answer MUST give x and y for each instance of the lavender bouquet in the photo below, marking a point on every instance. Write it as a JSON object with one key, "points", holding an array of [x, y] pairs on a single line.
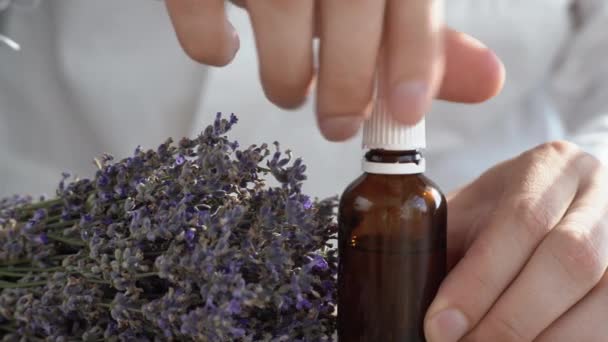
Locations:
{"points": [[186, 242]]}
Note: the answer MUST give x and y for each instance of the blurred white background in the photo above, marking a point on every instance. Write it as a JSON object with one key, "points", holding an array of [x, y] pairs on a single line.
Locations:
{"points": [[105, 76]]}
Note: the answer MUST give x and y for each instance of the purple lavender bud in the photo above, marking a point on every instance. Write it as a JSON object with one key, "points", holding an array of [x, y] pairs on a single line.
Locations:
{"points": [[39, 215], [234, 307], [65, 214], [190, 234], [328, 285], [302, 303], [103, 181], [121, 191], [249, 268], [179, 160], [217, 123], [319, 263], [43, 238], [203, 216], [237, 332], [306, 202], [29, 225], [107, 157], [106, 196], [233, 119]]}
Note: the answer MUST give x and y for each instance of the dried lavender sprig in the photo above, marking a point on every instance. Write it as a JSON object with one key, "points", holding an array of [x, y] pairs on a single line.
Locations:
{"points": [[189, 235], [9, 285]]}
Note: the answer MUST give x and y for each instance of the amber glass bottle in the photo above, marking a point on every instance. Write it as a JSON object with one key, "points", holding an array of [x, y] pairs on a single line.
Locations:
{"points": [[392, 238]]}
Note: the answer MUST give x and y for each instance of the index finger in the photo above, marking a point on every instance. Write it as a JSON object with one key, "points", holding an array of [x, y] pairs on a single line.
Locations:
{"points": [[415, 56]]}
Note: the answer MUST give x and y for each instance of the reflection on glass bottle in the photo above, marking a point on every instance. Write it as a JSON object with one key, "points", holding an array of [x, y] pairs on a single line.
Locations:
{"points": [[392, 238]]}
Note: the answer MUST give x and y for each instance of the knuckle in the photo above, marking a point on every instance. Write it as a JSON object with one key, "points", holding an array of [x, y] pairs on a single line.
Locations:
{"points": [[494, 328], [533, 218], [576, 252], [558, 147], [481, 249], [549, 152]]}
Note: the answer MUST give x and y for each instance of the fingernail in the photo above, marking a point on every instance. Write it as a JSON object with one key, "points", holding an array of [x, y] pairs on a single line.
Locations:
{"points": [[235, 43], [409, 101], [339, 128], [446, 326]]}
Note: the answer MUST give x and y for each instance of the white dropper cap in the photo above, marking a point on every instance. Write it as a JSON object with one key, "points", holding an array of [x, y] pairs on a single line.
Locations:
{"points": [[383, 132]]}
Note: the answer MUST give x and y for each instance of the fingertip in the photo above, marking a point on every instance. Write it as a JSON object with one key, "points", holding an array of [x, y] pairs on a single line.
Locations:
{"points": [[290, 104], [435, 320], [474, 73], [497, 74], [203, 31], [408, 101], [217, 52], [339, 128], [287, 93], [492, 76], [285, 99], [448, 325]]}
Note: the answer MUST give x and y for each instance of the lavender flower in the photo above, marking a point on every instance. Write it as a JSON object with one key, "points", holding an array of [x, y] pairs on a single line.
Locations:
{"points": [[183, 242]]}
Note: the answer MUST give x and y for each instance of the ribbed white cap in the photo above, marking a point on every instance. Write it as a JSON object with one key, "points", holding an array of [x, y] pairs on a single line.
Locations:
{"points": [[381, 131]]}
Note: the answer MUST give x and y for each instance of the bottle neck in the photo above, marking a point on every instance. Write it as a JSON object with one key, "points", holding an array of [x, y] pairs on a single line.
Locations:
{"points": [[394, 162]]}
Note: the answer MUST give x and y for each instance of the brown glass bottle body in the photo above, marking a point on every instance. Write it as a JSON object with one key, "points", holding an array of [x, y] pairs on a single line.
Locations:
{"points": [[392, 248]]}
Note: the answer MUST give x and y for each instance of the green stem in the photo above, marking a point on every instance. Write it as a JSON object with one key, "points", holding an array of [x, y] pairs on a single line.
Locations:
{"points": [[9, 285], [145, 275], [8, 328], [12, 274], [33, 269], [15, 262], [60, 256], [54, 220], [62, 224], [105, 305], [67, 241], [109, 306], [43, 204], [97, 281], [50, 269]]}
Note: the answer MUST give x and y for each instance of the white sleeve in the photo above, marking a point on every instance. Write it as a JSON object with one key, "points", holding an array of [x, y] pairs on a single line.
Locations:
{"points": [[579, 85]]}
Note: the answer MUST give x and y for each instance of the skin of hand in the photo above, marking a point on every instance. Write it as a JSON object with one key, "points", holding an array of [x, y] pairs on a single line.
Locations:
{"points": [[423, 58], [528, 252]]}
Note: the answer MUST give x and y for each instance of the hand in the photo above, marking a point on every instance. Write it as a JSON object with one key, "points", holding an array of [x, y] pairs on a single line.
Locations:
{"points": [[529, 240], [423, 58]]}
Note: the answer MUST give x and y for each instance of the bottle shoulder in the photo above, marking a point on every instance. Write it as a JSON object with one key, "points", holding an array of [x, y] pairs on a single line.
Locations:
{"points": [[393, 190]]}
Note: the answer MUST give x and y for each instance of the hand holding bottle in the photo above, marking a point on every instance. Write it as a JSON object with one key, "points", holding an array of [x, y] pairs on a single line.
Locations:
{"points": [[529, 240], [424, 58]]}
